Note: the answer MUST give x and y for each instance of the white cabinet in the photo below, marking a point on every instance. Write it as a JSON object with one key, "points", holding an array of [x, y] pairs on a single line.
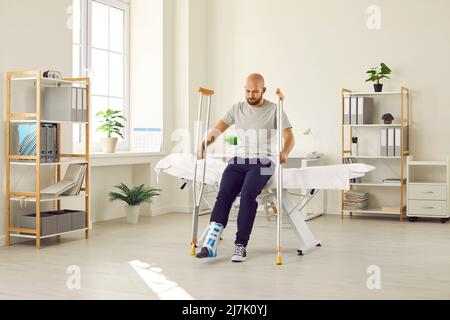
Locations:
{"points": [[427, 192], [428, 189], [417, 208]]}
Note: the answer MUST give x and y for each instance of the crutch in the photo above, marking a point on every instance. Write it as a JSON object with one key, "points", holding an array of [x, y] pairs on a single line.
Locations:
{"points": [[281, 99], [197, 197]]}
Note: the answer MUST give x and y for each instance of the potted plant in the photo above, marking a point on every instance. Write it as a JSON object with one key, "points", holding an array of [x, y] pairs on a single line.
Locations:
{"points": [[133, 197], [378, 73], [110, 121]]}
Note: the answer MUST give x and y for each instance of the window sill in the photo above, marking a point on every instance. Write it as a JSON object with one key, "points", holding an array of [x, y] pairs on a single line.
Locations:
{"points": [[100, 155], [98, 159]]}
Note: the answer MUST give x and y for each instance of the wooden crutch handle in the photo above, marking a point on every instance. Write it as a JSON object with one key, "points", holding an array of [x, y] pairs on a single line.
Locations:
{"points": [[280, 94], [206, 92]]}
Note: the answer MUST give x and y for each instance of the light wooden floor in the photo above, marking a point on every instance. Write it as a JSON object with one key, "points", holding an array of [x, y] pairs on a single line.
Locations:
{"points": [[414, 259]]}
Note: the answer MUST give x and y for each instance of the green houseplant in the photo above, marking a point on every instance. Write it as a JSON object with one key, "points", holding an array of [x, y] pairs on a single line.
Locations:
{"points": [[111, 122], [378, 73], [133, 198]]}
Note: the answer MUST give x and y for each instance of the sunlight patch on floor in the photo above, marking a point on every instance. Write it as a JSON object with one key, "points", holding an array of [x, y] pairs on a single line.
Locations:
{"points": [[158, 282]]}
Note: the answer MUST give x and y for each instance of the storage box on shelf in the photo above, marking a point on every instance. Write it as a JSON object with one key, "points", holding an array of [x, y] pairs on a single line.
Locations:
{"points": [[363, 121], [428, 198], [47, 96], [55, 222]]}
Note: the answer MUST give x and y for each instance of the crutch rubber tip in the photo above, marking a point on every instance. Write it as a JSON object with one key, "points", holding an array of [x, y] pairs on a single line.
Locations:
{"points": [[279, 261], [193, 252]]}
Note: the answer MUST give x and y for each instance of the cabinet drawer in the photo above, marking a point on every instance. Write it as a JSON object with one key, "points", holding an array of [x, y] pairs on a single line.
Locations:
{"points": [[427, 192], [427, 208]]}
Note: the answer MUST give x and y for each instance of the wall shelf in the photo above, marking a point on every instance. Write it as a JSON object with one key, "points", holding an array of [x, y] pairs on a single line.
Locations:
{"points": [[35, 79], [29, 236], [47, 164], [47, 121], [374, 211], [372, 94], [375, 184], [427, 183], [427, 163], [394, 125], [46, 82], [46, 198], [371, 157]]}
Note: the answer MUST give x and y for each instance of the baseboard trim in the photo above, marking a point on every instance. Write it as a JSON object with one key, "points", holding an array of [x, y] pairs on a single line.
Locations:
{"points": [[334, 212], [2, 241], [170, 209], [188, 209]]}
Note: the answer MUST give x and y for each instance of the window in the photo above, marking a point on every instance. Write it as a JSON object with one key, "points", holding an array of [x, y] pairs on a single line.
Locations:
{"points": [[100, 51], [77, 41]]}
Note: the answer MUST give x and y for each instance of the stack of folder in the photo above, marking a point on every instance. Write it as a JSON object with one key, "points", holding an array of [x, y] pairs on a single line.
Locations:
{"points": [[49, 141], [358, 110], [356, 200], [391, 142], [65, 104]]}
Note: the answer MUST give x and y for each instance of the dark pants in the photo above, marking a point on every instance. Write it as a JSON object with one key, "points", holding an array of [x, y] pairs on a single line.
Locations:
{"points": [[247, 177]]}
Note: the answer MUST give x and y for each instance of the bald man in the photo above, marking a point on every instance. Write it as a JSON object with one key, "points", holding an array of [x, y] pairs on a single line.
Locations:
{"points": [[251, 167]]}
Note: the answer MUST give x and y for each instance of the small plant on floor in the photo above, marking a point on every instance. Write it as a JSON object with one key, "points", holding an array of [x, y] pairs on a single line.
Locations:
{"points": [[378, 73], [134, 197], [111, 122]]}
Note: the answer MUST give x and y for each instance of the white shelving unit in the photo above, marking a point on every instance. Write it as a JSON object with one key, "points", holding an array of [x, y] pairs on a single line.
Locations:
{"points": [[428, 199], [405, 125]]}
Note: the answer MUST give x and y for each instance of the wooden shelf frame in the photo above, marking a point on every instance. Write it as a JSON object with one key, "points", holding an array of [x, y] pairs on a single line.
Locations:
{"points": [[40, 82], [405, 124]]}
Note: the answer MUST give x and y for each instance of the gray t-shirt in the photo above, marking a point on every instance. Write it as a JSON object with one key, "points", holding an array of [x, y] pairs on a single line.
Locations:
{"points": [[255, 129]]}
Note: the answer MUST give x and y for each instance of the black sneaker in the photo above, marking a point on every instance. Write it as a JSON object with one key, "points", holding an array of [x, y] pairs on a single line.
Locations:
{"points": [[240, 253]]}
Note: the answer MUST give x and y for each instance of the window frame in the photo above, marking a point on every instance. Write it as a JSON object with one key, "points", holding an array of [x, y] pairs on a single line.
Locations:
{"points": [[86, 63]]}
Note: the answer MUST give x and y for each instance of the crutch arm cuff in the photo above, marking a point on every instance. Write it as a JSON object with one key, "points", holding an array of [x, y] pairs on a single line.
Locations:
{"points": [[206, 92], [280, 94]]}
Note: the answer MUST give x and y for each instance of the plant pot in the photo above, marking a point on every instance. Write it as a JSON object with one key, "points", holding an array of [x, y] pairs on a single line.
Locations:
{"points": [[132, 214], [378, 87], [109, 145]]}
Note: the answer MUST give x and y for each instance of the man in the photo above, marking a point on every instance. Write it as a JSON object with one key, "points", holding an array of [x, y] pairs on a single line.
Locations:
{"points": [[251, 168]]}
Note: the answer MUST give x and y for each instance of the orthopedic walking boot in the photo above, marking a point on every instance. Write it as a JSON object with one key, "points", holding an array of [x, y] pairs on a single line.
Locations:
{"points": [[212, 239]]}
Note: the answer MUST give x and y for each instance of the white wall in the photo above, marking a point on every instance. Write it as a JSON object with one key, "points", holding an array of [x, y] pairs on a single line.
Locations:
{"points": [[161, 54], [312, 49], [146, 106], [146, 67], [24, 46], [185, 69], [37, 44]]}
